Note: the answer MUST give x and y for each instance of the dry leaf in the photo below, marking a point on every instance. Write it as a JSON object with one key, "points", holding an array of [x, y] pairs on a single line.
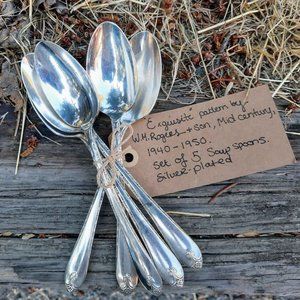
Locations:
{"points": [[8, 9], [59, 6], [9, 86], [27, 236], [17, 100], [6, 233], [250, 233], [31, 143], [10, 35]]}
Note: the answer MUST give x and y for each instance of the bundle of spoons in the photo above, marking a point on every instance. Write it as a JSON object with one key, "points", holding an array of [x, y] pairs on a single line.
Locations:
{"points": [[122, 79]]}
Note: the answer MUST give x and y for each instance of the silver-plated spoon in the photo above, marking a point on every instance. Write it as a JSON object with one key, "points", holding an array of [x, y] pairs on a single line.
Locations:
{"points": [[76, 269], [112, 71], [148, 62], [110, 103]]}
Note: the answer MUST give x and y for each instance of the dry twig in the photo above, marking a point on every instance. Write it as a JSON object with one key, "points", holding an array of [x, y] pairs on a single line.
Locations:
{"points": [[221, 191]]}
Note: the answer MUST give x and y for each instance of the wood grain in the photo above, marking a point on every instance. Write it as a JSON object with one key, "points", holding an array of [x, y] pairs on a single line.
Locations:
{"points": [[249, 266], [54, 187]]}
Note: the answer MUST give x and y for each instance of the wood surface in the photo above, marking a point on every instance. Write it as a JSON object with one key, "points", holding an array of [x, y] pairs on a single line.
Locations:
{"points": [[250, 243]]}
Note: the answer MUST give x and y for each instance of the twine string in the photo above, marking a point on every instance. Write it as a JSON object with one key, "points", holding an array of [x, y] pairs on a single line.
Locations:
{"points": [[116, 154]]}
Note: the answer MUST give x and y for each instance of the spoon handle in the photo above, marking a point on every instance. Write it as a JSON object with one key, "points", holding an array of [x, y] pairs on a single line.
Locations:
{"points": [[145, 266], [147, 271], [166, 262], [125, 269], [79, 261], [181, 244]]}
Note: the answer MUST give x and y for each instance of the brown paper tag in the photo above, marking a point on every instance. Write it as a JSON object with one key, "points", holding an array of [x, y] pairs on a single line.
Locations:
{"points": [[208, 142]]}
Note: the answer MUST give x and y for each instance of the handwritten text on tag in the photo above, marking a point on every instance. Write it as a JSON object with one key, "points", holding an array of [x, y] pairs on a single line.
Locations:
{"points": [[208, 142]]}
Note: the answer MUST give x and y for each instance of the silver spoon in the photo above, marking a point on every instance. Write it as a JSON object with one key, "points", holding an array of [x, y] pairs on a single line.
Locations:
{"points": [[113, 71], [148, 62], [110, 102], [77, 266], [149, 66]]}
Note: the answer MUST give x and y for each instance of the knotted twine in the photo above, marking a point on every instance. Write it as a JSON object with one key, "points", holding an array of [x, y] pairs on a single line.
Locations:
{"points": [[116, 154]]}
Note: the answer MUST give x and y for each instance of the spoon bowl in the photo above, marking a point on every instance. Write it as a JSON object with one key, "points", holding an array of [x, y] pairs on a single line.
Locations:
{"points": [[149, 67], [65, 85], [112, 71], [37, 98]]}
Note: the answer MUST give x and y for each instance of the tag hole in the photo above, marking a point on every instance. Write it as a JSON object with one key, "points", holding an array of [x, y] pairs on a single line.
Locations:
{"points": [[129, 157]]}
